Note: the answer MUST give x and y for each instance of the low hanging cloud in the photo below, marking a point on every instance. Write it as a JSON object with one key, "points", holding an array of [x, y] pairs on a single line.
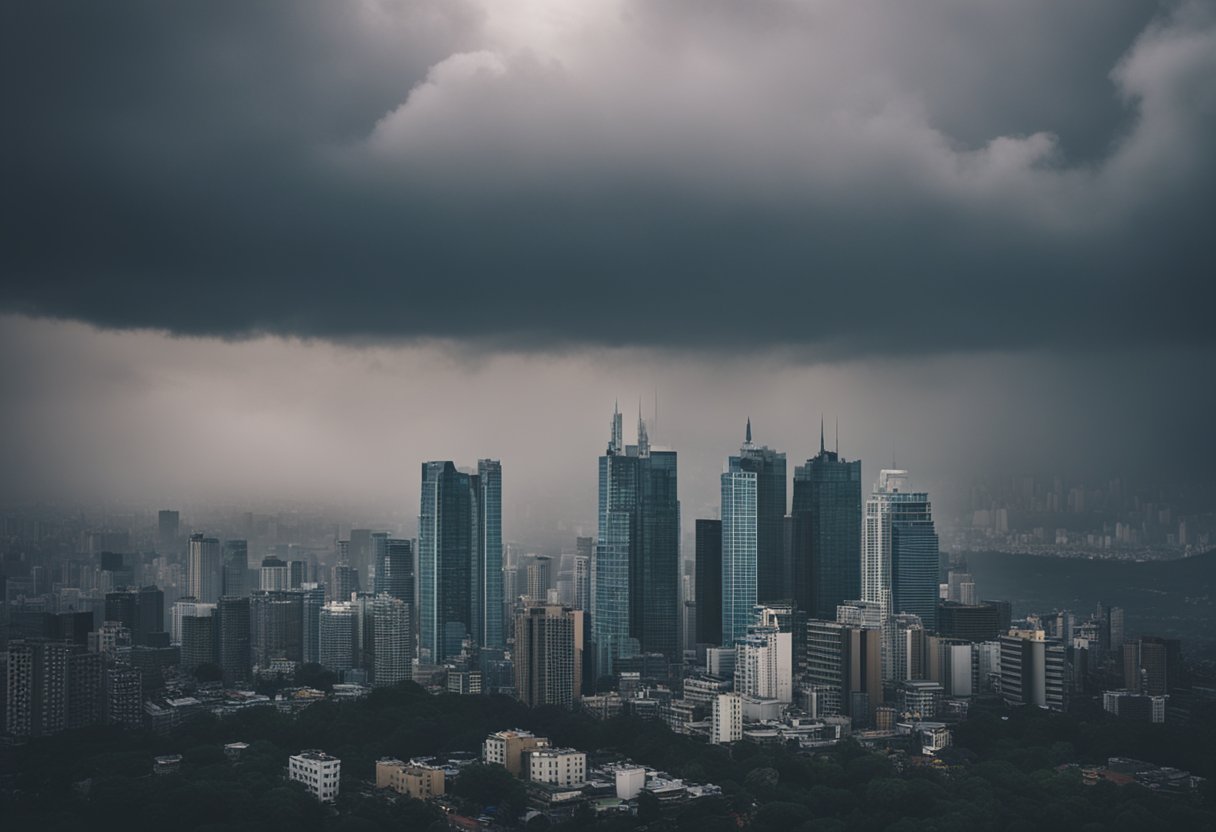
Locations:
{"points": [[833, 178]]}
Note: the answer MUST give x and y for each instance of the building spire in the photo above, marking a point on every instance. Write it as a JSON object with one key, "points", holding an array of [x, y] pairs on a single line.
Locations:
{"points": [[837, 435], [747, 437], [821, 448], [615, 443]]}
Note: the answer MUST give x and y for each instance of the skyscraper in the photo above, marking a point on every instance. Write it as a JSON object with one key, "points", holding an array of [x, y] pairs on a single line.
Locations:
{"points": [[236, 568], [168, 523], [203, 569], [394, 567], [771, 505], [394, 642], [273, 574], [708, 582], [232, 624], [899, 556], [540, 578], [549, 655], [635, 571], [460, 558], [582, 581], [200, 641], [489, 591], [739, 550], [826, 535], [337, 636], [276, 626]]}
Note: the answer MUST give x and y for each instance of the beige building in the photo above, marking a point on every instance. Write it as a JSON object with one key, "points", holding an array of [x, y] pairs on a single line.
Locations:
{"points": [[414, 779], [506, 748]]}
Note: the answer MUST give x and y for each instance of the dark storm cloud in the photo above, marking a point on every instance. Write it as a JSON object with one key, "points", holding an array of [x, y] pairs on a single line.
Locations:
{"points": [[836, 177]]}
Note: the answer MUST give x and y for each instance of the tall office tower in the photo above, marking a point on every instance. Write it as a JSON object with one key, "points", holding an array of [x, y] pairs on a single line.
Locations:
{"points": [[182, 608], [549, 655], [826, 533], [168, 525], [337, 636], [344, 580], [394, 567], [276, 626], [540, 578], [771, 505], [708, 581], [200, 642], [1110, 634], [582, 581], [297, 573], [359, 552], [236, 568], [203, 569], [122, 606], [907, 656], [150, 615], [843, 668], [488, 589], [738, 550], [635, 571], [1152, 665], [394, 640], [899, 555], [232, 627], [310, 619], [86, 694], [273, 574], [1033, 670], [764, 664], [446, 556]]}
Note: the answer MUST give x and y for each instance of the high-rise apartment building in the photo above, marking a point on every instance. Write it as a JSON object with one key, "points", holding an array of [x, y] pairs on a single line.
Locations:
{"points": [[826, 533], [843, 668], [764, 664], [273, 574], [203, 569], [1033, 670], [336, 640], [549, 655], [394, 640]]}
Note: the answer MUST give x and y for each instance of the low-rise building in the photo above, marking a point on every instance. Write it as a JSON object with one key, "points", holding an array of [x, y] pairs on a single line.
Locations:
{"points": [[318, 771], [419, 780], [558, 766], [506, 748]]}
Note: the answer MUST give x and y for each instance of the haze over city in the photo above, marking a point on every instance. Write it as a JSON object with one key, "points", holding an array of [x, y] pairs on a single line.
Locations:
{"points": [[618, 415]]}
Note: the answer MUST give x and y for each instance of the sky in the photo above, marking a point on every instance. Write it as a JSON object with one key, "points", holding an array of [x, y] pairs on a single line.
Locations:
{"points": [[256, 250]]}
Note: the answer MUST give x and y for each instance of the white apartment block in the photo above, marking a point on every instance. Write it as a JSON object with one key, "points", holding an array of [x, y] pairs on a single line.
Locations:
{"points": [[318, 771], [727, 723], [559, 766]]}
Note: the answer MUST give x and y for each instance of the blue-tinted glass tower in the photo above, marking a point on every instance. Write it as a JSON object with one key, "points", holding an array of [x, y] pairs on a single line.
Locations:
{"points": [[490, 611], [772, 582], [739, 550], [446, 554]]}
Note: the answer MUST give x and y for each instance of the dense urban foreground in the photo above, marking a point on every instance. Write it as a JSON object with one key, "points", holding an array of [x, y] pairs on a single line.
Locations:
{"points": [[1008, 770]]}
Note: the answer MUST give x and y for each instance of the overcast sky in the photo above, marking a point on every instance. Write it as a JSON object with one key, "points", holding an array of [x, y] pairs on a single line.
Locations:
{"points": [[297, 248]]}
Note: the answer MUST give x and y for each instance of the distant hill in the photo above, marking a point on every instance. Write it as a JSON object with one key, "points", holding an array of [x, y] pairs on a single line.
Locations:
{"points": [[1169, 598]]}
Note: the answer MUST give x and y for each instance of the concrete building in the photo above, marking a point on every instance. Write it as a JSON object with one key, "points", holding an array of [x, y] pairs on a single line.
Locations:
{"points": [[318, 771], [726, 725], [506, 748], [764, 664], [1033, 670], [549, 656], [418, 780], [630, 780], [558, 766]]}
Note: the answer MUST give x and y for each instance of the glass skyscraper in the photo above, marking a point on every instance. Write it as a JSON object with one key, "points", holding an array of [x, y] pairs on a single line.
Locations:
{"points": [[489, 473], [739, 550], [460, 558], [709, 581], [635, 574], [826, 544], [899, 556], [772, 579]]}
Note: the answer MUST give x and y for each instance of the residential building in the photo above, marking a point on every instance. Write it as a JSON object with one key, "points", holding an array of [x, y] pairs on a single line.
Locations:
{"points": [[203, 569], [506, 748], [726, 723], [418, 780], [318, 771], [549, 655], [558, 766]]}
